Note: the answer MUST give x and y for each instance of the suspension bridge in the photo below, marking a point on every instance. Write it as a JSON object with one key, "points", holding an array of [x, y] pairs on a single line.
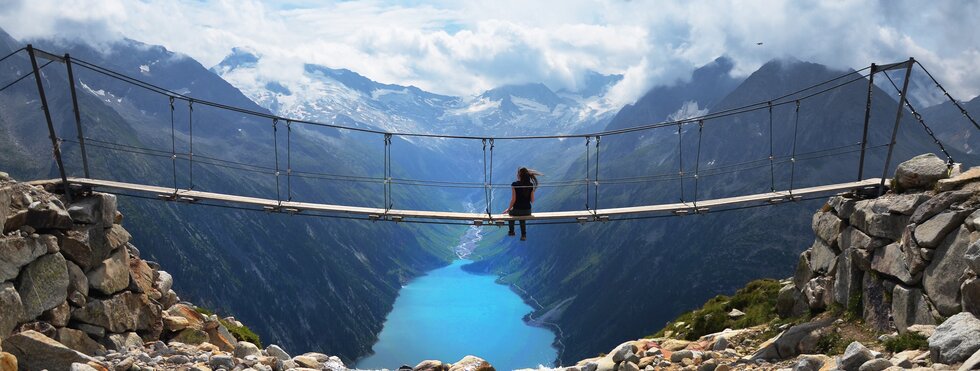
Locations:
{"points": [[284, 173]]}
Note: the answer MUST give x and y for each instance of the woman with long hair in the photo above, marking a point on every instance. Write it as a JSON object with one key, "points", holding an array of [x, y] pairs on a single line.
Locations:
{"points": [[521, 198]]}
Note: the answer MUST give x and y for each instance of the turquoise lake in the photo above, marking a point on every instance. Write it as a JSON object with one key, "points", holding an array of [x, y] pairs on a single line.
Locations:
{"points": [[450, 313]]}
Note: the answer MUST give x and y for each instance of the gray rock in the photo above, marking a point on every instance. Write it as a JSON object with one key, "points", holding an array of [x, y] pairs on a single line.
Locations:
{"points": [[878, 364], [275, 351], [956, 339], [938, 204], [890, 260], [77, 281], [57, 316], [11, 308], [92, 331], [827, 227], [873, 218], [972, 256], [842, 206], [679, 355], [823, 258], [854, 356], [123, 312], [907, 203], [973, 221], [4, 205], [244, 349], [910, 307], [972, 363], [222, 361], [164, 281], [112, 274], [799, 339], [76, 245], [808, 364], [920, 172], [847, 280], [16, 252], [819, 293], [852, 238], [123, 342], [100, 208], [790, 302], [932, 232], [876, 306], [916, 258], [43, 284], [79, 341], [941, 279], [970, 292], [803, 272], [82, 367], [49, 215], [35, 351]]}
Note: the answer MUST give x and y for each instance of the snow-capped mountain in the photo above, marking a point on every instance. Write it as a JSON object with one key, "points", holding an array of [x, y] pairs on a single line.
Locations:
{"points": [[326, 94]]}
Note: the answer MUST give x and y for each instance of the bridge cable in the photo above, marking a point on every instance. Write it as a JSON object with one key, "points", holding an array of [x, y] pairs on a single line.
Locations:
{"points": [[11, 54], [956, 103], [275, 146], [680, 160], [697, 164], [387, 174], [595, 204], [173, 144], [588, 169], [772, 171], [918, 117], [490, 183], [190, 153], [29, 74], [792, 158]]}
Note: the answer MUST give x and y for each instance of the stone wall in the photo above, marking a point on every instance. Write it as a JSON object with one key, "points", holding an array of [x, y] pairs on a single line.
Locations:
{"points": [[903, 259]]}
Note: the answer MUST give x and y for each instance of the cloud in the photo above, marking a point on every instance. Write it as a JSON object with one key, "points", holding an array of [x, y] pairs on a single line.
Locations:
{"points": [[463, 48]]}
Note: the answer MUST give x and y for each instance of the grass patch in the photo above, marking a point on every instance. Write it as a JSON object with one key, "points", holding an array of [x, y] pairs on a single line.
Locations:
{"points": [[832, 343], [906, 341], [241, 333], [757, 300]]}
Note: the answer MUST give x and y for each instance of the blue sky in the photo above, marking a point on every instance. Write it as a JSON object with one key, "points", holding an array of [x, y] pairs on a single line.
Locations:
{"points": [[466, 47]]}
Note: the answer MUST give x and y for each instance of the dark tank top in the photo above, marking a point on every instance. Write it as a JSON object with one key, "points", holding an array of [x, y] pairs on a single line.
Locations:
{"points": [[523, 191]]}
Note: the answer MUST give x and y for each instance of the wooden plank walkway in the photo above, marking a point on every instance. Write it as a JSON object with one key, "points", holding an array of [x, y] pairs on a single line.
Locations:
{"points": [[477, 218]]}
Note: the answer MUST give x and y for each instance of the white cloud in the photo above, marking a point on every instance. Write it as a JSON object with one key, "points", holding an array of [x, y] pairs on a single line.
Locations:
{"points": [[463, 48]]}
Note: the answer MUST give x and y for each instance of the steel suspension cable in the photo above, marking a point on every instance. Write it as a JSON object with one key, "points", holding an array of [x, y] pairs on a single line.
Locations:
{"points": [[588, 169], [680, 160], [289, 161], [918, 117], [595, 203], [792, 159], [955, 102], [190, 152], [29, 74], [275, 147], [490, 183], [11, 54], [772, 171], [173, 143], [697, 163]]}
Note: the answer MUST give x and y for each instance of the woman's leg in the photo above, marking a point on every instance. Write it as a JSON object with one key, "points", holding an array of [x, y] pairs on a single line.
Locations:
{"points": [[510, 224], [523, 227]]}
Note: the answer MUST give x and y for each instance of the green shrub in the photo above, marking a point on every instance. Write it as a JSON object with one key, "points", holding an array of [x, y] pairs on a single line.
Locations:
{"points": [[241, 333], [757, 300], [831, 344], [906, 341]]}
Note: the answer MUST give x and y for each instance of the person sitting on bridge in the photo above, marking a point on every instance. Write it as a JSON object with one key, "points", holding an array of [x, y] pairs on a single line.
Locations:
{"points": [[521, 198]]}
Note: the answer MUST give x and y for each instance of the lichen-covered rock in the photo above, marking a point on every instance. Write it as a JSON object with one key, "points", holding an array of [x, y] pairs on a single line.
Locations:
{"points": [[956, 339], [16, 252], [11, 308], [123, 312], [112, 274], [43, 284], [910, 307], [920, 172], [35, 351], [941, 279]]}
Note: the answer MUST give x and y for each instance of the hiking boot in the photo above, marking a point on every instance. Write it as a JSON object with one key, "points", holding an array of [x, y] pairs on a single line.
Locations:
{"points": [[511, 234], [523, 237]]}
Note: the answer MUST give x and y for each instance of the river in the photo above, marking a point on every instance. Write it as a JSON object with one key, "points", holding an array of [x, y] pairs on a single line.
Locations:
{"points": [[450, 313]]}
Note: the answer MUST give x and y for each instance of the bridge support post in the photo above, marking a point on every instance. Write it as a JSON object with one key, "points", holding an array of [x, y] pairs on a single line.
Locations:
{"points": [[898, 120], [78, 115], [47, 117], [867, 120]]}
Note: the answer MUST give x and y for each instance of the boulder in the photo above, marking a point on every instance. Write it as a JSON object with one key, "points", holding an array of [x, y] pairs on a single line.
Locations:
{"points": [[799, 339], [123, 312], [823, 258], [890, 260], [4, 205], [57, 316], [854, 356], [819, 293], [35, 351], [877, 364], [972, 256], [11, 308], [192, 318], [843, 206], [92, 331], [827, 227], [471, 363], [141, 277], [222, 361], [191, 336], [808, 364], [938, 204], [623, 352], [941, 279], [905, 204], [972, 363], [847, 280], [969, 176], [48, 215], [76, 245], [910, 307], [956, 339], [853, 238], [123, 342], [77, 281], [16, 252], [112, 274], [8, 362], [164, 282], [79, 341], [920, 172], [875, 302], [931, 233], [790, 302], [875, 220], [277, 352], [220, 337], [970, 292], [803, 272], [431, 365], [43, 284], [99, 208], [244, 349]]}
